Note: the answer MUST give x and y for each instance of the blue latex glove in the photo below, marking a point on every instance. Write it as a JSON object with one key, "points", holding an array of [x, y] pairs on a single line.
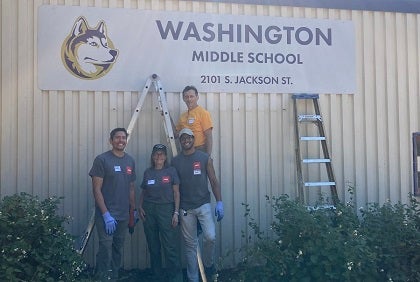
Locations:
{"points": [[136, 216], [110, 223], [218, 211]]}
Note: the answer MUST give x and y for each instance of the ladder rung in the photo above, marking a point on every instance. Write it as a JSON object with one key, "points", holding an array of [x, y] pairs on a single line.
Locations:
{"points": [[309, 117], [314, 184], [312, 138], [308, 161], [305, 96], [321, 207]]}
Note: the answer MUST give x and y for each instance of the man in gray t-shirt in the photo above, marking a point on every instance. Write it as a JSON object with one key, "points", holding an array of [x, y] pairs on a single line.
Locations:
{"points": [[195, 169], [113, 183]]}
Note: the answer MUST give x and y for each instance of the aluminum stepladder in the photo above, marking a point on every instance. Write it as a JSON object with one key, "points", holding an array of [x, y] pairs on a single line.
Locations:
{"points": [[163, 107], [154, 80], [325, 161]]}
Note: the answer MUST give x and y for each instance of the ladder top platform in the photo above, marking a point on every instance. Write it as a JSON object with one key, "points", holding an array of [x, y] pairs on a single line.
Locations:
{"points": [[305, 96]]}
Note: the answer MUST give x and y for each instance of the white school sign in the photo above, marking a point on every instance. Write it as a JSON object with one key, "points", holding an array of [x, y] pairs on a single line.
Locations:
{"points": [[103, 49]]}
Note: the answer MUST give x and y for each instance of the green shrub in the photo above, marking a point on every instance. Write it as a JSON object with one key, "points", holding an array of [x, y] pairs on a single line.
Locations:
{"points": [[333, 244], [392, 231], [34, 244]]}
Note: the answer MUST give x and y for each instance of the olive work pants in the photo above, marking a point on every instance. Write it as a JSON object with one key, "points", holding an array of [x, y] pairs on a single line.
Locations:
{"points": [[108, 257], [160, 235]]}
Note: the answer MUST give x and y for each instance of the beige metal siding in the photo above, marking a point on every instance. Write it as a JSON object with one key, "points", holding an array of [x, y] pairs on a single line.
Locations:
{"points": [[50, 138]]}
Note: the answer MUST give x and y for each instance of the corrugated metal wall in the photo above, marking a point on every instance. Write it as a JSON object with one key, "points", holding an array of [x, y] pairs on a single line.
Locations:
{"points": [[50, 138]]}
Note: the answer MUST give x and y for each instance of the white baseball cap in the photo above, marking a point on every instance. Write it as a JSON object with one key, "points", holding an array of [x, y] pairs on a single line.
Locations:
{"points": [[186, 131]]}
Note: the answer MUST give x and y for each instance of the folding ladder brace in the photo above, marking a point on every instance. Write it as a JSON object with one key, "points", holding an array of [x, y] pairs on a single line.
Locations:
{"points": [[315, 119]]}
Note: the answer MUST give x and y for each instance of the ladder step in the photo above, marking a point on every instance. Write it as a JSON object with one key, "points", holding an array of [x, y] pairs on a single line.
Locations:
{"points": [[312, 138], [305, 96], [321, 207], [309, 118], [314, 184], [309, 161]]}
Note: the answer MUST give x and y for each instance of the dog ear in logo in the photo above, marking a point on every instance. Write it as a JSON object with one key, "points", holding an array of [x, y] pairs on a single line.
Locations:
{"points": [[87, 52]]}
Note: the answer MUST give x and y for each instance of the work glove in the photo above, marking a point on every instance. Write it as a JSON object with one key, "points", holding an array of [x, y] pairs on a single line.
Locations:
{"points": [[218, 211], [110, 223], [134, 218]]}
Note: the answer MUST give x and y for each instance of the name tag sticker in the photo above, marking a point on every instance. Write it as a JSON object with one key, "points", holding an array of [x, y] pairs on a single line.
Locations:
{"points": [[117, 168], [197, 168], [150, 182], [191, 120]]}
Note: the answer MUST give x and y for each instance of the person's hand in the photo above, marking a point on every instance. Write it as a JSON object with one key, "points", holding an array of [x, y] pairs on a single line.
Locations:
{"points": [[218, 211], [142, 214], [175, 219], [110, 223], [134, 218]]}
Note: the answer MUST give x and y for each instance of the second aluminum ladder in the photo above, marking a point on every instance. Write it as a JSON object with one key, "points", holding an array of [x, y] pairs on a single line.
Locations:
{"points": [[323, 161]]}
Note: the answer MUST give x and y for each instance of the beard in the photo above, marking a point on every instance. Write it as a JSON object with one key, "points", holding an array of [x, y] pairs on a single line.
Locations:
{"points": [[187, 146]]}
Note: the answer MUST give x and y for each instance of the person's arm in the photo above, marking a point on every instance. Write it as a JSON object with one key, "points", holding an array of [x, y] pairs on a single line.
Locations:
{"points": [[97, 193], [215, 187], [214, 183], [175, 216], [208, 134], [141, 210], [132, 195], [110, 223]]}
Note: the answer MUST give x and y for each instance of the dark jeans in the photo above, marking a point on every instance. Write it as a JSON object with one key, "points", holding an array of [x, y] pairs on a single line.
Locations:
{"points": [[108, 257], [160, 234]]}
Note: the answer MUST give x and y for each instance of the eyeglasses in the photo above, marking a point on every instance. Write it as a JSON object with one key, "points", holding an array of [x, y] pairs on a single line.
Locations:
{"points": [[185, 138]]}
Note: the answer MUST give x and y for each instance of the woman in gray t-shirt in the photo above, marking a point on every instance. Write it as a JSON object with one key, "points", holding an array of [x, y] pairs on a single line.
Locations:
{"points": [[159, 210]]}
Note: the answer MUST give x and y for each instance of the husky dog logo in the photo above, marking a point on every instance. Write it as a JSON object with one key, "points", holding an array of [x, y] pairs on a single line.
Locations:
{"points": [[87, 52]]}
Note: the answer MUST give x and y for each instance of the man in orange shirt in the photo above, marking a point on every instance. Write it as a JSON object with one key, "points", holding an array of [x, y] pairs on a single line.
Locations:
{"points": [[197, 119]]}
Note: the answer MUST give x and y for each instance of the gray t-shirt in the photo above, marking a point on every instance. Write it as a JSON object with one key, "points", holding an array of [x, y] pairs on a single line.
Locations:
{"points": [[192, 171], [117, 174], [157, 185]]}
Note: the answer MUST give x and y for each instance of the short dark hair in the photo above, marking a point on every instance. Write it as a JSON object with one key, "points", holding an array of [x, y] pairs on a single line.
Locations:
{"points": [[188, 88], [115, 130]]}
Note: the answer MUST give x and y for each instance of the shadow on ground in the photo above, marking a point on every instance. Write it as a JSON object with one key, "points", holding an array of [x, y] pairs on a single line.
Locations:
{"points": [[139, 275]]}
